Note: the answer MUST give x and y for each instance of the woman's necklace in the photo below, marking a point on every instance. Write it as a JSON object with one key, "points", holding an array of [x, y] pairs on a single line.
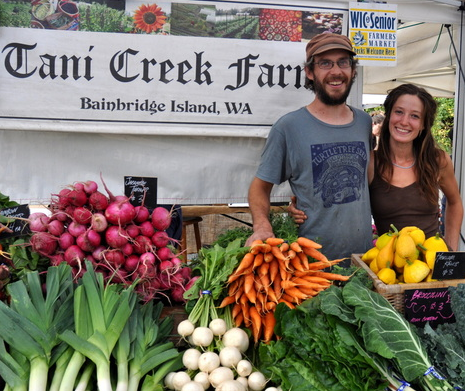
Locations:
{"points": [[404, 167]]}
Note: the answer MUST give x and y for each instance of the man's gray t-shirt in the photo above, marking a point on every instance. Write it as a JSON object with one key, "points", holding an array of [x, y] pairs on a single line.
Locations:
{"points": [[326, 166]]}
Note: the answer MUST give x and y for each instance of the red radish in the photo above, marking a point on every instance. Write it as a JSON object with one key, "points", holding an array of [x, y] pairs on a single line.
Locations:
{"points": [[77, 197], [78, 186], [82, 215], [56, 259], [120, 212], [119, 276], [191, 282], [66, 240], [44, 243], [164, 254], [98, 201], [115, 258], [88, 241], [62, 198], [69, 210], [76, 229], [166, 266], [131, 263], [38, 222], [116, 236], [147, 258], [186, 272], [74, 255], [132, 230], [177, 294], [98, 222], [161, 218], [60, 216], [127, 249], [142, 244], [146, 271], [90, 187], [160, 239], [176, 262], [98, 253], [56, 227], [142, 214], [146, 229]]}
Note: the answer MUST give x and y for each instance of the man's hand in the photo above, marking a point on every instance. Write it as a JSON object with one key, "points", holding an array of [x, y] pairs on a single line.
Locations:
{"points": [[297, 215]]}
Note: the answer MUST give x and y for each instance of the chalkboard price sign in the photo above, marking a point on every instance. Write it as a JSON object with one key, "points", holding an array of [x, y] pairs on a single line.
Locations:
{"points": [[141, 190], [16, 223], [449, 266], [428, 305]]}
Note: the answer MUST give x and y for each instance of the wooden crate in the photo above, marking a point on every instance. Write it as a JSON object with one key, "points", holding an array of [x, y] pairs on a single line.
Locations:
{"points": [[395, 293]]}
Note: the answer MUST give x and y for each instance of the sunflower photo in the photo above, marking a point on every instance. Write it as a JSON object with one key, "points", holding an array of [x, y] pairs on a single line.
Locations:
{"points": [[149, 18]]}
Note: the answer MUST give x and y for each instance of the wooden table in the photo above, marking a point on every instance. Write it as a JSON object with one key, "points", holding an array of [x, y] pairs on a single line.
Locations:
{"points": [[221, 209]]}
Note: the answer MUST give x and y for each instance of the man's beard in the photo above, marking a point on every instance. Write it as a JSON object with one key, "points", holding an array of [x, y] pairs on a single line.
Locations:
{"points": [[327, 99]]}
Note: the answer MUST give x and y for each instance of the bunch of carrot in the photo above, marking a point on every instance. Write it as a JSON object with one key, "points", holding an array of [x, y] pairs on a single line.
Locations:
{"points": [[276, 271]]}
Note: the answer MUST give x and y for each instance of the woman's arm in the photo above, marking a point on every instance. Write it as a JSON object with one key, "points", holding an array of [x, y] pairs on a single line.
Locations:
{"points": [[454, 206]]}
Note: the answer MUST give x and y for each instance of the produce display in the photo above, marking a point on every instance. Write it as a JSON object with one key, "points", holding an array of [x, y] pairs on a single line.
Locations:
{"points": [[404, 256], [277, 315], [125, 243]]}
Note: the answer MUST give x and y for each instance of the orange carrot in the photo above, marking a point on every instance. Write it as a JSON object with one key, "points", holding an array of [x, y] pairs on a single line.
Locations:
{"points": [[277, 286], [246, 262], [239, 294], [268, 257], [296, 292], [237, 308], [286, 284], [297, 264], [288, 303], [284, 247], [269, 322], [258, 260], [313, 278], [273, 270], [315, 254], [260, 248], [256, 320], [263, 269], [239, 319], [309, 243], [274, 241], [276, 251], [270, 306], [331, 276], [296, 247], [226, 301], [271, 296], [303, 259]]}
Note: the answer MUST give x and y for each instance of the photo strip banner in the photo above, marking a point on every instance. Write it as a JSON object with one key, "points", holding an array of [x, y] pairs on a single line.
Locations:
{"points": [[170, 63]]}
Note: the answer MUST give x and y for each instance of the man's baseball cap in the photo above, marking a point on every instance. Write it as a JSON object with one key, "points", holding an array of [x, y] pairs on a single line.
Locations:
{"points": [[328, 41]]}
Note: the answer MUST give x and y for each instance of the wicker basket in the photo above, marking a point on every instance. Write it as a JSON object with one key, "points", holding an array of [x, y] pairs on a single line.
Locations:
{"points": [[395, 293]]}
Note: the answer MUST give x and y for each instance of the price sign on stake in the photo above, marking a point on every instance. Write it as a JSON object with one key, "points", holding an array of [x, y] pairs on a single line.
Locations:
{"points": [[449, 266], [428, 305], [141, 190], [13, 218]]}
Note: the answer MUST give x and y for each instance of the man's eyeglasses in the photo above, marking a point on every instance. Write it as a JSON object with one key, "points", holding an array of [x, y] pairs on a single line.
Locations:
{"points": [[328, 64]]}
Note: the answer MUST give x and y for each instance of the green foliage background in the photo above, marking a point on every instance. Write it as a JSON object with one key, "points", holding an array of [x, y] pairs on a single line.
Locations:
{"points": [[444, 124]]}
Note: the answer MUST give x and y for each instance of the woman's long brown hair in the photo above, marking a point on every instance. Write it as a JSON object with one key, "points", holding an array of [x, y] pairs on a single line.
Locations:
{"points": [[426, 153]]}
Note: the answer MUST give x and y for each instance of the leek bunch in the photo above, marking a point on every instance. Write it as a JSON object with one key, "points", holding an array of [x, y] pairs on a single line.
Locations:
{"points": [[84, 336]]}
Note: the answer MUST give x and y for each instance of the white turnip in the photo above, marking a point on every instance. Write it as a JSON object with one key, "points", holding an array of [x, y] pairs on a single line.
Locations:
{"points": [[202, 336], [192, 386], [190, 359], [231, 385], [185, 328], [236, 337], [168, 380], [179, 379], [256, 381], [208, 361], [202, 378], [230, 356], [218, 326], [244, 368], [220, 375]]}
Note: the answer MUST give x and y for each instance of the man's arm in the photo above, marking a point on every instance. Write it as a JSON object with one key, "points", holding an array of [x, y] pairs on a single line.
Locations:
{"points": [[259, 204]]}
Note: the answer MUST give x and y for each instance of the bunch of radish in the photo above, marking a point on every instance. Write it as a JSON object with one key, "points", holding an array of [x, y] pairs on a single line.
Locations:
{"points": [[215, 360], [125, 243]]}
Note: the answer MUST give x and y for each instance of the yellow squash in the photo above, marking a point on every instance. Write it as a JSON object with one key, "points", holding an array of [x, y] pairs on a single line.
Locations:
{"points": [[406, 247], [415, 271], [370, 255], [385, 257], [387, 275], [432, 245]]}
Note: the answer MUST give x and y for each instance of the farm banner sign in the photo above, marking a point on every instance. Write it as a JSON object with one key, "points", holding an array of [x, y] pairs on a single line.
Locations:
{"points": [[182, 63]]}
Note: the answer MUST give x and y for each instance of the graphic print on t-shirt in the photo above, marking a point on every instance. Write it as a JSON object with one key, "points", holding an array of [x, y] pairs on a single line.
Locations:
{"points": [[339, 171]]}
